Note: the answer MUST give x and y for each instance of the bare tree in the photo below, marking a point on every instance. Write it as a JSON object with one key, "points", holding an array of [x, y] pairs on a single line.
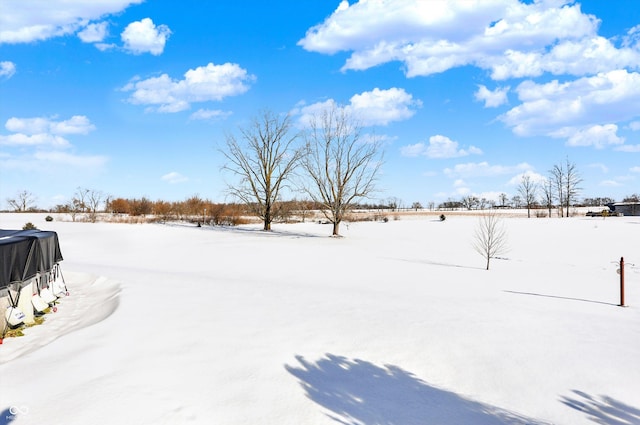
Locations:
{"points": [[264, 162], [566, 179], [79, 200], [503, 199], [341, 166], [547, 194], [470, 202], [490, 238], [94, 200], [23, 201], [571, 180], [557, 177], [528, 189]]}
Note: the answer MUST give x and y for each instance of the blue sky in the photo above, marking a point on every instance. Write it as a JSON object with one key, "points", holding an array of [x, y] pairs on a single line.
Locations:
{"points": [[134, 98]]}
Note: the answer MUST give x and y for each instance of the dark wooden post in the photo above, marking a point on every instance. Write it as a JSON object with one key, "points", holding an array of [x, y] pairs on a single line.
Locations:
{"points": [[621, 281]]}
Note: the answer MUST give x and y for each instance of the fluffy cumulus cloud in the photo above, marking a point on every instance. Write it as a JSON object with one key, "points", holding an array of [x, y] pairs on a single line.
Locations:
{"points": [[509, 38], [145, 37], [599, 89], [40, 143], [202, 84], [44, 131], [26, 21], [439, 147], [492, 99], [597, 136], [375, 107], [563, 109], [7, 69]]}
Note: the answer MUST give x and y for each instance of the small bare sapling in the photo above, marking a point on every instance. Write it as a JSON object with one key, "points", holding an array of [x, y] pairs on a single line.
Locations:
{"points": [[490, 238]]}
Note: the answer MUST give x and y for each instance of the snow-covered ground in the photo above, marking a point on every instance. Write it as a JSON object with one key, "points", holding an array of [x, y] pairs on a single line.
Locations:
{"points": [[396, 323]]}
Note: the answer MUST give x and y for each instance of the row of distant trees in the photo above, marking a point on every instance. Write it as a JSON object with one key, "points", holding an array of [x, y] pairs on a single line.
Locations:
{"points": [[331, 163]]}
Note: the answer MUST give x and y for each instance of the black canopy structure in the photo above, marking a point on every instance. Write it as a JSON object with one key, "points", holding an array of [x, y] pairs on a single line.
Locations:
{"points": [[25, 254]]}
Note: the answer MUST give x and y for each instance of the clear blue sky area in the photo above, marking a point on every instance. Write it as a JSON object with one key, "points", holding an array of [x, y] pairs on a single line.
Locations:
{"points": [[135, 98]]}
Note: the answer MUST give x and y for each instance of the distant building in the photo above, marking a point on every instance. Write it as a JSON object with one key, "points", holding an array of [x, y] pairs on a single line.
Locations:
{"points": [[625, 208]]}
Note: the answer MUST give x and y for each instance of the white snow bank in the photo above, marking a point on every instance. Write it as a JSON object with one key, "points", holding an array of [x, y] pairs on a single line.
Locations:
{"points": [[397, 323], [93, 299]]}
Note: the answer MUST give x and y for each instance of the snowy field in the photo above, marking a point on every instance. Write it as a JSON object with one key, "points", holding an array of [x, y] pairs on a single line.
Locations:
{"points": [[397, 323]]}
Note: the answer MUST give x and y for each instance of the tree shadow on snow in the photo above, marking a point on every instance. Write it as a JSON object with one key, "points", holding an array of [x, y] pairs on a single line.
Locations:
{"points": [[559, 297], [436, 263], [603, 410], [357, 392]]}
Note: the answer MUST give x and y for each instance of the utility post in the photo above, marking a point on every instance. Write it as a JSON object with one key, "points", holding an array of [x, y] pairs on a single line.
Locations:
{"points": [[621, 272]]}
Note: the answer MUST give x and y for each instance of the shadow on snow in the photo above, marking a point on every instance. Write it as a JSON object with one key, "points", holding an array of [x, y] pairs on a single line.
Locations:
{"points": [[356, 392], [559, 297], [603, 410], [6, 417]]}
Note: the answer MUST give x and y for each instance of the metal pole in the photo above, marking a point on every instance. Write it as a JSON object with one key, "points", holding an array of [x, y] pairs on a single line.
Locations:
{"points": [[621, 281]]}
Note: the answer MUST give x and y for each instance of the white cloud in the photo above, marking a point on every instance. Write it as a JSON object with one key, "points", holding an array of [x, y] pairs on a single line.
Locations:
{"points": [[375, 107], [512, 39], [380, 107], [635, 169], [635, 125], [7, 69], [78, 124], [209, 115], [439, 147], [561, 109], [533, 177], [174, 177], [202, 84], [94, 33], [44, 131], [21, 139], [598, 136], [492, 99], [145, 37], [26, 21], [484, 169]]}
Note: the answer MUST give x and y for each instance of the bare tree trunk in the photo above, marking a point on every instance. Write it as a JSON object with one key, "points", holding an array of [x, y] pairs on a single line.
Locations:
{"points": [[336, 228]]}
